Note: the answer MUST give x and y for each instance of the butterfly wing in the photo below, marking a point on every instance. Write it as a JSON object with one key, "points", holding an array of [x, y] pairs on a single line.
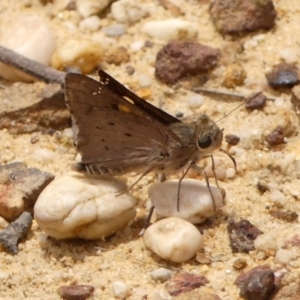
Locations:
{"points": [[156, 113], [113, 132]]}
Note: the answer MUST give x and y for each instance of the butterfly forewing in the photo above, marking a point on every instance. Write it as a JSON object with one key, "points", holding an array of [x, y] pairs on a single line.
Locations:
{"points": [[145, 107], [112, 131]]}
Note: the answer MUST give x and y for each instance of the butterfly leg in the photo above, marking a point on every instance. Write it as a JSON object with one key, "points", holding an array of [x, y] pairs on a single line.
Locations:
{"points": [[202, 171], [160, 178], [132, 185], [180, 180]]}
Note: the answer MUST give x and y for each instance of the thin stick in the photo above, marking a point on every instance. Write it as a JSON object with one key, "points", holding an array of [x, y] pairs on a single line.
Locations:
{"points": [[31, 67], [222, 93]]}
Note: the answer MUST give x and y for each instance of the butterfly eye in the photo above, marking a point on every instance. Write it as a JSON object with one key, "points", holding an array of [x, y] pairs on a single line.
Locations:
{"points": [[204, 141]]}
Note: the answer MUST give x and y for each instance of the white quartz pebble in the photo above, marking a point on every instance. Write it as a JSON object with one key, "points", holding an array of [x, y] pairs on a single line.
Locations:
{"points": [[30, 36], [121, 290], [76, 206], [173, 239], [195, 201], [128, 11], [161, 274], [170, 29], [91, 23], [91, 7]]}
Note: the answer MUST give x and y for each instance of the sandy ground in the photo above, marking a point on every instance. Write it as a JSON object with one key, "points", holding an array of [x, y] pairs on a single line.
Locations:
{"points": [[44, 264]]}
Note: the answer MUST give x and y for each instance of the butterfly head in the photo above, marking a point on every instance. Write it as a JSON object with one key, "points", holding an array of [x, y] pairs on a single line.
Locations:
{"points": [[208, 135]]}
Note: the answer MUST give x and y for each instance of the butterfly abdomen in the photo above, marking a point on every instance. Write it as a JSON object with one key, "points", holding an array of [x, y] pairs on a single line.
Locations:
{"points": [[96, 170]]}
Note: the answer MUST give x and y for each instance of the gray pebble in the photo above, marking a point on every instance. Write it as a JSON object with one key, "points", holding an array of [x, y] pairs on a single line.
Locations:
{"points": [[161, 274], [114, 30]]}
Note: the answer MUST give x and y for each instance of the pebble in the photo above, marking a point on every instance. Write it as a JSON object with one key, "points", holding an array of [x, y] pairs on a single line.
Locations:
{"points": [[114, 30], [196, 101], [234, 76], [75, 292], [144, 80], [289, 55], [185, 282], [195, 202], [283, 75], [80, 53], [75, 206], [257, 283], [91, 23], [121, 290], [87, 8], [170, 29], [242, 235], [14, 232], [161, 274], [30, 36], [20, 188], [178, 59], [284, 256], [161, 295], [276, 137], [232, 139], [256, 101], [173, 239], [117, 56], [128, 11], [234, 16]]}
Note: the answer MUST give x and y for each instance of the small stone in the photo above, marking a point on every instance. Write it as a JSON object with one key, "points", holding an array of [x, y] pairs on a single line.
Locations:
{"points": [[75, 292], [127, 11], [14, 232], [121, 290], [284, 256], [196, 101], [80, 53], [30, 36], [114, 30], [195, 201], [295, 98], [256, 284], [20, 188], [178, 59], [283, 75], [239, 264], [117, 56], [184, 282], [234, 76], [232, 139], [161, 295], [91, 7], [202, 259], [91, 23], [173, 239], [276, 137], [241, 235], [285, 215], [170, 29], [76, 206], [256, 101], [289, 55], [161, 274], [235, 16]]}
